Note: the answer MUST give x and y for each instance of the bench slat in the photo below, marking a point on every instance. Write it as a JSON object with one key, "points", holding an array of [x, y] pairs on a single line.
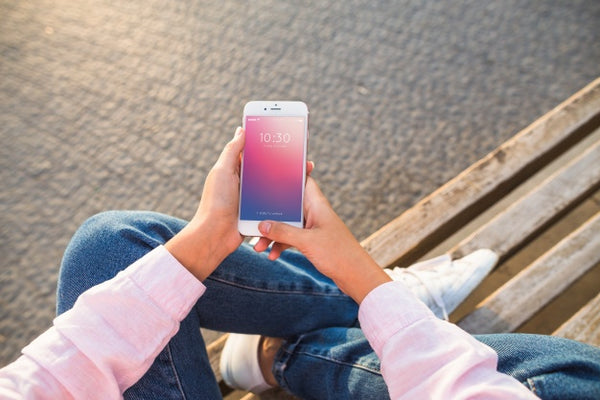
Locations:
{"points": [[584, 325], [521, 297], [423, 226], [540, 207], [214, 350]]}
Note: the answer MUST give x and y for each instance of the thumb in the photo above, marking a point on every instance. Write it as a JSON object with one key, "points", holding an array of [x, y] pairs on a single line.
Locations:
{"points": [[282, 233], [230, 156]]}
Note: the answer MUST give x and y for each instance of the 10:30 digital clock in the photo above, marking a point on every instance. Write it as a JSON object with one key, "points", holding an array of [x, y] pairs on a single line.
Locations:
{"points": [[275, 137]]}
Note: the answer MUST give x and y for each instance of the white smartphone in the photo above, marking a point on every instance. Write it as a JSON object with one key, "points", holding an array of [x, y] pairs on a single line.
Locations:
{"points": [[273, 171]]}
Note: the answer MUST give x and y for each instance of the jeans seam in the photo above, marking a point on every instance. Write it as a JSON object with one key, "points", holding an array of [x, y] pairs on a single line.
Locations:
{"points": [[532, 387], [174, 369], [277, 291], [334, 361]]}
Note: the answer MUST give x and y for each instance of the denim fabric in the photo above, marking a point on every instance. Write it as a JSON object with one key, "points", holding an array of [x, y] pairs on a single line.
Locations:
{"points": [[337, 363], [330, 363], [247, 294], [551, 367], [325, 354]]}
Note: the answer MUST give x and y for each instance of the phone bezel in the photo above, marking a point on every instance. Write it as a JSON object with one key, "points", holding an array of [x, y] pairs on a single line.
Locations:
{"points": [[273, 108]]}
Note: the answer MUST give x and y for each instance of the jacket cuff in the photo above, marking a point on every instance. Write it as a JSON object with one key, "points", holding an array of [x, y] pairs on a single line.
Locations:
{"points": [[388, 309], [166, 281]]}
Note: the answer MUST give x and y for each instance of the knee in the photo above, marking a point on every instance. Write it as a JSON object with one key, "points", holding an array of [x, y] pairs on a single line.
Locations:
{"points": [[106, 244], [97, 252], [99, 233], [113, 231]]}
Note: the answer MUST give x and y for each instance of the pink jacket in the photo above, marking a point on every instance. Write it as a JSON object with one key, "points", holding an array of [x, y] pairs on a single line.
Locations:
{"points": [[115, 330]]}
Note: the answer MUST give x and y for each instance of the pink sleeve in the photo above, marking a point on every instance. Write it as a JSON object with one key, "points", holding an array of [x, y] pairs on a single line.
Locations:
{"points": [[110, 337], [425, 357]]}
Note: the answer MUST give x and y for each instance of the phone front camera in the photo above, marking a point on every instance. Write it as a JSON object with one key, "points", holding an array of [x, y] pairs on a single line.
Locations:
{"points": [[265, 108]]}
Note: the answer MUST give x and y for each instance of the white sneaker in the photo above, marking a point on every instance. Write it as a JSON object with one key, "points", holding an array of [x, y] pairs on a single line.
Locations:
{"points": [[239, 363], [442, 284]]}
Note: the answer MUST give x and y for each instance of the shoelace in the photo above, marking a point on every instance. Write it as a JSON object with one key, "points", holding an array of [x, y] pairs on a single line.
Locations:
{"points": [[436, 298]]}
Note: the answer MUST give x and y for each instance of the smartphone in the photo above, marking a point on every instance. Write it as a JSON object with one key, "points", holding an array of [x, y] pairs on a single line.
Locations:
{"points": [[273, 171]]}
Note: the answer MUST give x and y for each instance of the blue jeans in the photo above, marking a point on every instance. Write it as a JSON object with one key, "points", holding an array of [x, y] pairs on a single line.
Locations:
{"points": [[325, 354]]}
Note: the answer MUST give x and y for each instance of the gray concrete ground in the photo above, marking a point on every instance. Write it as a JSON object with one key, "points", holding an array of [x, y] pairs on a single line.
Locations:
{"points": [[126, 104]]}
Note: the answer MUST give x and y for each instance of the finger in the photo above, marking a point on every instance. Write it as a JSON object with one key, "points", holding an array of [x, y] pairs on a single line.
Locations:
{"points": [[230, 156], [276, 251], [262, 244], [312, 194], [310, 166], [282, 233], [313, 186], [283, 246]]}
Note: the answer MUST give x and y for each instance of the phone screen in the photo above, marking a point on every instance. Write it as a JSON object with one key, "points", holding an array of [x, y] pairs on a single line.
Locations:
{"points": [[273, 168]]}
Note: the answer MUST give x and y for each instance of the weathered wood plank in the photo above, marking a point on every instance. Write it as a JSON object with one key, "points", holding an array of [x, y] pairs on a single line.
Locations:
{"points": [[514, 226], [584, 325], [527, 292], [423, 226], [214, 355]]}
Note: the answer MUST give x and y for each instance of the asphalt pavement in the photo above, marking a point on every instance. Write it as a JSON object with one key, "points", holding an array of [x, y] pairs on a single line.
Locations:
{"points": [[109, 104]]}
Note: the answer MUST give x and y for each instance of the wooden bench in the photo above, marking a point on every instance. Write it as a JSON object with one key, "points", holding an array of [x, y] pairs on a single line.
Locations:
{"points": [[535, 200]]}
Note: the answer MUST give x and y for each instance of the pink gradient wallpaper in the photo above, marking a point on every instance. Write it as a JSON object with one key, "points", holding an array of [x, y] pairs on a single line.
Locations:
{"points": [[273, 168]]}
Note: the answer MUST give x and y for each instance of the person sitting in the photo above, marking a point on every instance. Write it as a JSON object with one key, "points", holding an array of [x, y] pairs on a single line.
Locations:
{"points": [[135, 287]]}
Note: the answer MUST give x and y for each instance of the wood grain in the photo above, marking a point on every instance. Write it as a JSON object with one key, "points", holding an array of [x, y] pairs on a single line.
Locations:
{"points": [[527, 292], [423, 226]]}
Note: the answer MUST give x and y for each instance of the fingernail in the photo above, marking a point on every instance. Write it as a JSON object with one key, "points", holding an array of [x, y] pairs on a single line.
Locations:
{"points": [[238, 131], [265, 227]]}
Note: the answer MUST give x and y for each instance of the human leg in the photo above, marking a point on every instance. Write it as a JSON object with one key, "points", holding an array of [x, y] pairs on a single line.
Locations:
{"points": [[239, 292], [331, 363], [106, 244], [338, 363], [249, 293], [551, 367], [298, 298], [441, 283]]}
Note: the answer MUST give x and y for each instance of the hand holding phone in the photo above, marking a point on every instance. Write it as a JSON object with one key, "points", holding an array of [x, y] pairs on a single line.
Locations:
{"points": [[273, 171], [349, 265], [212, 233]]}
